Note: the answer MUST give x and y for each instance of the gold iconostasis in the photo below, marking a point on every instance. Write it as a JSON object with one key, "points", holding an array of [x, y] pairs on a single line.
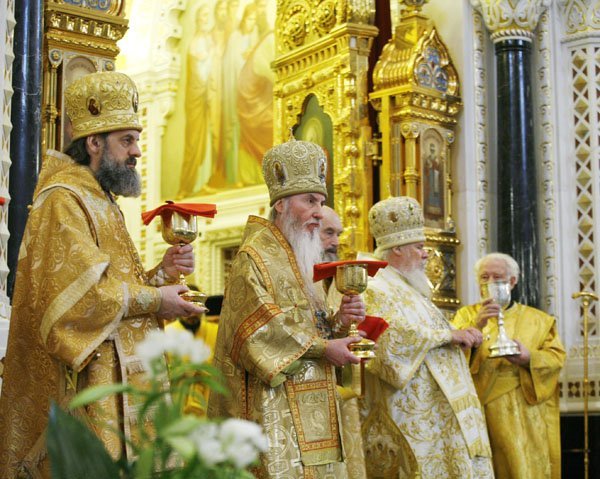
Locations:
{"points": [[221, 81]]}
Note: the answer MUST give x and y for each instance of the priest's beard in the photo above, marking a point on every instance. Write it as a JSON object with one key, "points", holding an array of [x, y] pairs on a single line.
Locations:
{"points": [[307, 248], [330, 254], [118, 177], [417, 278]]}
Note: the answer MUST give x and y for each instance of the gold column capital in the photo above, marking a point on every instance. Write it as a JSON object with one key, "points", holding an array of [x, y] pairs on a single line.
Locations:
{"points": [[511, 19], [410, 130]]}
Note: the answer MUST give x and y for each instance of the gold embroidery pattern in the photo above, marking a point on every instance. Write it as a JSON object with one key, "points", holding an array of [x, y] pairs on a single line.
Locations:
{"points": [[71, 295], [307, 397], [144, 299], [261, 266], [255, 321]]}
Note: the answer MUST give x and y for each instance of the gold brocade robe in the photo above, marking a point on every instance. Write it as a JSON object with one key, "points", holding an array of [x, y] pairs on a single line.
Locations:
{"points": [[270, 352], [349, 408], [81, 303], [520, 403], [421, 415]]}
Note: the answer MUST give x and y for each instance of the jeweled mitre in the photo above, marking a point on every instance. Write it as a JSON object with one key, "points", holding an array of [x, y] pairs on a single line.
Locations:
{"points": [[295, 167], [396, 221], [102, 102]]}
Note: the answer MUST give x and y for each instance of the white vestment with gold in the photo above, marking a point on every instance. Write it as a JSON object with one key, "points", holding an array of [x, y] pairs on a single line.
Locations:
{"points": [[421, 414]]}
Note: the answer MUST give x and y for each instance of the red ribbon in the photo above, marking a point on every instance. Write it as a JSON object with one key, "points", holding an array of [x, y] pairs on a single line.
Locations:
{"points": [[374, 326], [195, 209], [327, 270]]}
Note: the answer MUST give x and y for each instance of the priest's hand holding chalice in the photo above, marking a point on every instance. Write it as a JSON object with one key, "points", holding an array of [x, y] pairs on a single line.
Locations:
{"points": [[180, 228], [496, 298], [351, 280]]}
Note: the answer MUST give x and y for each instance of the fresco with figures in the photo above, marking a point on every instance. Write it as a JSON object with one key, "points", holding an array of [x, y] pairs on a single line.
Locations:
{"points": [[223, 120]]}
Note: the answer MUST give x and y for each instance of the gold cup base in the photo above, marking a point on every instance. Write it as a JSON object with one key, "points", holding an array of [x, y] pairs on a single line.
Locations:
{"points": [[501, 349], [364, 349], [195, 297]]}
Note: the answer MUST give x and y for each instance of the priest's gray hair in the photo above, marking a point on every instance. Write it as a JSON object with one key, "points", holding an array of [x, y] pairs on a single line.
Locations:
{"points": [[273, 214], [385, 254], [511, 265]]}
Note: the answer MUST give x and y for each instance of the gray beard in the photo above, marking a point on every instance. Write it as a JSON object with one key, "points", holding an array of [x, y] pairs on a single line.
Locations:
{"points": [[118, 177], [419, 280], [329, 256], [308, 250]]}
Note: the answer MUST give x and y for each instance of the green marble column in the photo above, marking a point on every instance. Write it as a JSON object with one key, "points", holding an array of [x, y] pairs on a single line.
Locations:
{"points": [[511, 25], [517, 225]]}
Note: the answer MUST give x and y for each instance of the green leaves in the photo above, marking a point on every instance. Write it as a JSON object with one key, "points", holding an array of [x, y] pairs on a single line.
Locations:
{"points": [[165, 443], [95, 393], [181, 426], [74, 450]]}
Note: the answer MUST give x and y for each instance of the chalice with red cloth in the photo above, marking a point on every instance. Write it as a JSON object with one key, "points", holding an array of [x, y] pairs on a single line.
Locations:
{"points": [[180, 227]]}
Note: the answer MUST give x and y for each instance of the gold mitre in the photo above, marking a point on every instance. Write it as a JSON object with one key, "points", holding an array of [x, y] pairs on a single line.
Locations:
{"points": [[102, 102], [396, 221], [295, 167]]}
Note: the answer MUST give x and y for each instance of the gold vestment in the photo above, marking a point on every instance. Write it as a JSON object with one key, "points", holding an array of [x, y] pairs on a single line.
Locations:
{"points": [[520, 403], [349, 408], [270, 353], [81, 303], [421, 415]]}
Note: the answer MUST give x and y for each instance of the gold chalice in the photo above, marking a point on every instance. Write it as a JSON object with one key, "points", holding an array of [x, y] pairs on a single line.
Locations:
{"points": [[500, 292], [351, 279], [181, 229]]}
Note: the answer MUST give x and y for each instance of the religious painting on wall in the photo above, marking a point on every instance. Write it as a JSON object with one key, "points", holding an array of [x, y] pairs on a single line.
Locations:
{"points": [[223, 120], [433, 168], [316, 126]]}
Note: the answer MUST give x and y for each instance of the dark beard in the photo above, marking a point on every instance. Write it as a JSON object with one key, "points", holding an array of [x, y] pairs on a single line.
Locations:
{"points": [[118, 177]]}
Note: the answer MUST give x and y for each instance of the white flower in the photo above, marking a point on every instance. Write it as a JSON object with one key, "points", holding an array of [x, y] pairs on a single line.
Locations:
{"points": [[208, 444], [235, 441], [150, 348], [200, 353], [241, 455], [175, 342], [240, 430], [242, 441]]}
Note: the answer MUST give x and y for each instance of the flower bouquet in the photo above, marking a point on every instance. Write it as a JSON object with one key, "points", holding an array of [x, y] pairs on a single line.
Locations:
{"points": [[178, 445]]}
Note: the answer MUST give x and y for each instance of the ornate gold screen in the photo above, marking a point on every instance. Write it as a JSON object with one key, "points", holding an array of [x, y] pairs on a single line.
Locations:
{"points": [[323, 51], [416, 94]]}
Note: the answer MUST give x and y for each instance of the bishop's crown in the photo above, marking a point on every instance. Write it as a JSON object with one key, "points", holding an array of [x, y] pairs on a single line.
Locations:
{"points": [[397, 221]]}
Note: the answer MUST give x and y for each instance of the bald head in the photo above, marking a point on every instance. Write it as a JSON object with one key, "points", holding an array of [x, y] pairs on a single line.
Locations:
{"points": [[330, 231]]}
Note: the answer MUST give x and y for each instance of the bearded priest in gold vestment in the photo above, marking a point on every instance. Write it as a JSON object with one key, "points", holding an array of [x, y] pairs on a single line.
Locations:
{"points": [[421, 415], [519, 393], [271, 345], [82, 299]]}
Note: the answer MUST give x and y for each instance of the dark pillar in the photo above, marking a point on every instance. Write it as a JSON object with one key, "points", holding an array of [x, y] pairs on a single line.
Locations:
{"points": [[26, 118], [517, 195]]}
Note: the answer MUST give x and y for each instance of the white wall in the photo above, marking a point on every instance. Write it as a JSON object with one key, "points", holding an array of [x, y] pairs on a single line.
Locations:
{"points": [[7, 24]]}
